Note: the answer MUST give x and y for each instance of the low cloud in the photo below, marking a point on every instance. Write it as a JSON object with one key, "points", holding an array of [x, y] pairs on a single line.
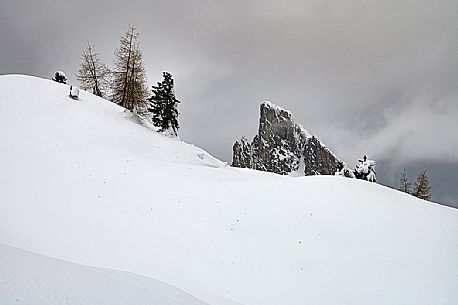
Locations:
{"points": [[421, 128]]}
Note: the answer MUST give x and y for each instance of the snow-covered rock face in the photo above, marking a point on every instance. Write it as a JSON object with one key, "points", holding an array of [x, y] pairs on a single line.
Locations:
{"points": [[282, 145]]}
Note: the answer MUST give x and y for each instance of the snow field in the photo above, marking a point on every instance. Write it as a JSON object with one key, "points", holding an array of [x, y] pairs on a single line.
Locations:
{"points": [[83, 181]]}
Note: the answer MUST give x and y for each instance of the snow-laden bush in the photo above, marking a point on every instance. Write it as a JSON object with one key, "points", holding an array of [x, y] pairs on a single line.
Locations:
{"points": [[344, 171], [60, 77], [365, 169], [74, 92]]}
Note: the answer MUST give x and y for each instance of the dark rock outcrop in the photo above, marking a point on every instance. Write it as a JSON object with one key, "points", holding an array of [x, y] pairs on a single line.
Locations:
{"points": [[283, 146]]}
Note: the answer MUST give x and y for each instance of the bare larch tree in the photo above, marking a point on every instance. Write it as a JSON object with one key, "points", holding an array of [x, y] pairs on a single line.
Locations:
{"points": [[422, 188], [129, 80], [93, 74], [404, 184]]}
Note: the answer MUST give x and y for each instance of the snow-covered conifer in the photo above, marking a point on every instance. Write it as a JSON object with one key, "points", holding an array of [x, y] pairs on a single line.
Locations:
{"points": [[365, 169]]}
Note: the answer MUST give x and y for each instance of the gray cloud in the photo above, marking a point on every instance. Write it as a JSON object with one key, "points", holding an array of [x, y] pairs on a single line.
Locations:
{"points": [[376, 77]]}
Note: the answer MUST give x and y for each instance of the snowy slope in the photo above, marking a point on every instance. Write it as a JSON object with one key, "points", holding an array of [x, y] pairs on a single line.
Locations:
{"points": [[29, 279], [84, 182]]}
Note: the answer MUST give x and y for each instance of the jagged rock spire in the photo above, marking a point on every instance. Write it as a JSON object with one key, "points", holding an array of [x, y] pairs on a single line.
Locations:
{"points": [[283, 146]]}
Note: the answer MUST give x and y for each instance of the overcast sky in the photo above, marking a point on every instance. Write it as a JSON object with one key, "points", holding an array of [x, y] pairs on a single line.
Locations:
{"points": [[374, 77]]}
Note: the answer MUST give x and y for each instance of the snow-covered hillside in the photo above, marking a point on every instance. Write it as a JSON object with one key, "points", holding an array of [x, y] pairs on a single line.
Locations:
{"points": [[30, 279], [83, 181]]}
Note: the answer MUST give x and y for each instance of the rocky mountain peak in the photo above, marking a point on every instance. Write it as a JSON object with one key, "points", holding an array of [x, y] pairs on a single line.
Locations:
{"points": [[283, 146]]}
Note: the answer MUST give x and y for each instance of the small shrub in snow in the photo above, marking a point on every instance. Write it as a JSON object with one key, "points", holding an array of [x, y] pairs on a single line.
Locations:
{"points": [[344, 171], [365, 170], [74, 92], [60, 77]]}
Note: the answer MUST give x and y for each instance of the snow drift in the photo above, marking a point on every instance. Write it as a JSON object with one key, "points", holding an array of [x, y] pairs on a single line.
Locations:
{"points": [[28, 279], [83, 181]]}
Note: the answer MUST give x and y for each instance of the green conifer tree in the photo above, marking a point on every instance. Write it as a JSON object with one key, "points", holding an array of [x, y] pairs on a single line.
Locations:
{"points": [[163, 105]]}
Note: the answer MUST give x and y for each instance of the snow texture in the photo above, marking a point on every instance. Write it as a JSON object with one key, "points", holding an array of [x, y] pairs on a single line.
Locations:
{"points": [[86, 183], [31, 279]]}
